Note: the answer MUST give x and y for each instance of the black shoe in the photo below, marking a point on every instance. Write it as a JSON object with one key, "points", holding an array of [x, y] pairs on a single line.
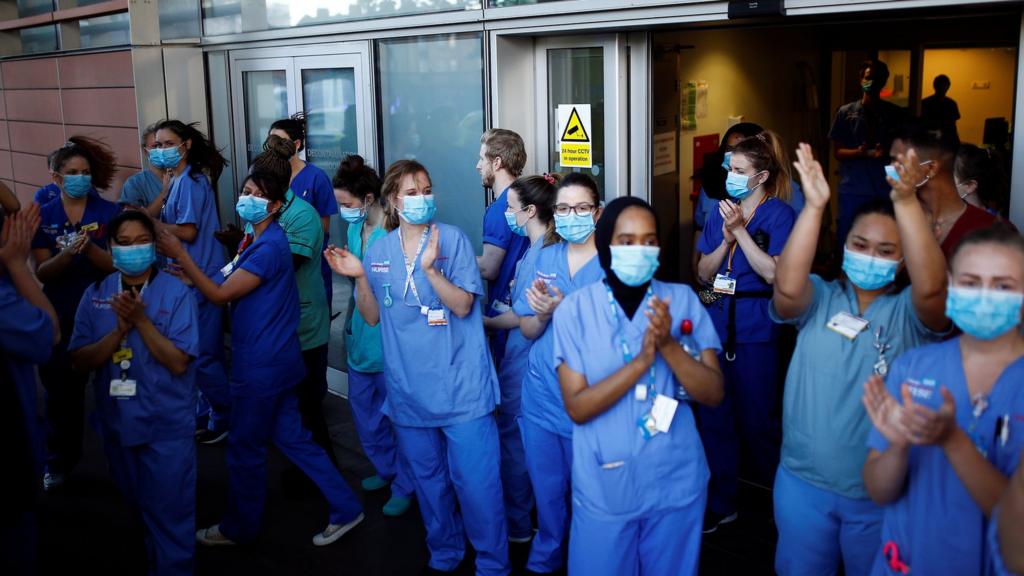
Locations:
{"points": [[712, 521], [210, 437]]}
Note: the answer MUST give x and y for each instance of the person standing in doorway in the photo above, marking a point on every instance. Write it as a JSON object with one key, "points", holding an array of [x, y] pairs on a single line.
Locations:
{"points": [[938, 109]]}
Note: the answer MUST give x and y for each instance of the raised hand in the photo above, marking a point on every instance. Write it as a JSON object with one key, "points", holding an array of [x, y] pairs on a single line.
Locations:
{"points": [[659, 321], [344, 262], [912, 172], [812, 177], [649, 348], [541, 301], [732, 216], [925, 426], [17, 233], [432, 250], [168, 244], [129, 308], [885, 411]]}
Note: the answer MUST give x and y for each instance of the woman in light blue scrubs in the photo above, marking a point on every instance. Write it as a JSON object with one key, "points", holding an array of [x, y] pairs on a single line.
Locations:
{"points": [[423, 286], [70, 254], [740, 247], [849, 329], [357, 190], [949, 419], [560, 269], [148, 188], [530, 202], [136, 332], [190, 214], [310, 183], [266, 367], [639, 476]]}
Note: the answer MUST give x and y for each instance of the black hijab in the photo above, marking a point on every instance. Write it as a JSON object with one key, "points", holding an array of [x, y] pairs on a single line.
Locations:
{"points": [[629, 297]]}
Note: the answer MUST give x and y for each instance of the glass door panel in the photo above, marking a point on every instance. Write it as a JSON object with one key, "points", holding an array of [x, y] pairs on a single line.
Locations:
{"points": [[576, 76]]}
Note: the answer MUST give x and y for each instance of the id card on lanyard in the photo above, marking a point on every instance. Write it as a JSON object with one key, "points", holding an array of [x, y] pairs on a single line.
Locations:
{"points": [[124, 387], [435, 314], [726, 283]]}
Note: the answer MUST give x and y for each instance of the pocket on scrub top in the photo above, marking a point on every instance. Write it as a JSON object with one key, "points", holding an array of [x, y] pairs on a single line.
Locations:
{"points": [[617, 486]]}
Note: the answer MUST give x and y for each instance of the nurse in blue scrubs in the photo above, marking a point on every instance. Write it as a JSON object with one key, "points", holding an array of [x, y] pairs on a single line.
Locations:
{"points": [[148, 188], [357, 190], [561, 269], [529, 215], [190, 214], [136, 332], [949, 419], [29, 329], [266, 367], [423, 287], [70, 254], [639, 476], [1006, 530], [309, 183], [740, 246], [848, 329]]}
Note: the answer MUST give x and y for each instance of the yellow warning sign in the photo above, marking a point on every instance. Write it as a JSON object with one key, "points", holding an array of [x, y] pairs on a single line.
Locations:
{"points": [[574, 129]]}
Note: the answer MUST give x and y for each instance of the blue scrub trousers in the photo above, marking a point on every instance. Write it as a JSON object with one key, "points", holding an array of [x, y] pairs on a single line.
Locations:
{"points": [[366, 394], [214, 405], [159, 482], [665, 543], [455, 468], [255, 422], [746, 421], [819, 529], [515, 478], [549, 462], [65, 407]]}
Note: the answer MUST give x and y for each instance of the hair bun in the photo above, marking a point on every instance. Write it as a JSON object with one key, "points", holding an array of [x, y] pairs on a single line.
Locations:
{"points": [[352, 164], [279, 146]]}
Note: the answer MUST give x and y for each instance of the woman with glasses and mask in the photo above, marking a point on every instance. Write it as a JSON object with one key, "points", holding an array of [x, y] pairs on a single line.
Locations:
{"points": [[848, 329], [560, 269], [136, 332], [267, 366], [70, 254], [189, 212], [422, 285], [739, 250]]}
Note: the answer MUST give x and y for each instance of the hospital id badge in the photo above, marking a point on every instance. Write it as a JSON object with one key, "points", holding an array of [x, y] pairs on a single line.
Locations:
{"points": [[122, 388], [92, 227], [724, 284], [436, 317], [227, 269], [847, 325], [647, 426], [500, 307], [122, 355], [663, 411]]}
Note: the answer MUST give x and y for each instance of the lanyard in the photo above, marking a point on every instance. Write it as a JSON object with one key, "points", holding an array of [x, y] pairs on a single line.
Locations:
{"points": [[126, 363], [746, 221], [410, 283], [627, 356]]}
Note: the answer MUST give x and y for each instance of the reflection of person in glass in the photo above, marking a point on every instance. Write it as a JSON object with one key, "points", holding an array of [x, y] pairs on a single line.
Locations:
{"points": [[861, 132]]}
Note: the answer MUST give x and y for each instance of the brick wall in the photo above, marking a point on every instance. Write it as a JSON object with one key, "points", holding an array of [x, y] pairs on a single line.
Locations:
{"points": [[47, 100]]}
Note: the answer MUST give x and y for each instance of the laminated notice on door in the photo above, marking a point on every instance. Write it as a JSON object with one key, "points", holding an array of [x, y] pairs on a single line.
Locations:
{"points": [[575, 148]]}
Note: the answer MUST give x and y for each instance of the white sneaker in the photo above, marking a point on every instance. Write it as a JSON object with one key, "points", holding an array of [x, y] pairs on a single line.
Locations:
{"points": [[335, 531], [212, 537]]}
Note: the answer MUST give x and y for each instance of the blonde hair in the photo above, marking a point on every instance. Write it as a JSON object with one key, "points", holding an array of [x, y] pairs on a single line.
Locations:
{"points": [[765, 152], [508, 146], [389, 190]]}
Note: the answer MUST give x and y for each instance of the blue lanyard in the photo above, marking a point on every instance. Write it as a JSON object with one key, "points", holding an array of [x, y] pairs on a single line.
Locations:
{"points": [[627, 356], [411, 266]]}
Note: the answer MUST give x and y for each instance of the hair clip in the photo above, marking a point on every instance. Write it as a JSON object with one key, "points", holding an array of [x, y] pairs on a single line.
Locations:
{"points": [[549, 178], [68, 144], [760, 136]]}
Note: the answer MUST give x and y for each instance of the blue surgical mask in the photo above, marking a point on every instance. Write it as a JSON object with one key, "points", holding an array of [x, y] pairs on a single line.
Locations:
{"points": [[891, 172], [133, 260], [983, 314], [868, 272], [156, 157], [727, 161], [252, 209], [352, 215], [736, 185], [165, 158], [635, 265], [77, 185], [418, 209], [510, 219], [574, 228]]}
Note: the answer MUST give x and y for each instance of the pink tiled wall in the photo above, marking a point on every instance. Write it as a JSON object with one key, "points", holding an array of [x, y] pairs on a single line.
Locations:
{"points": [[45, 101]]}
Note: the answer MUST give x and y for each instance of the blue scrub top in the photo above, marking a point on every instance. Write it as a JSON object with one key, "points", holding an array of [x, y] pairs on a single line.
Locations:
{"points": [[824, 425], [706, 205], [164, 405], [435, 375], [617, 475], [937, 526], [141, 188], [26, 339], [854, 125], [362, 341], [542, 396], [314, 186], [66, 292], [265, 350], [46, 193], [499, 292], [192, 201], [513, 365], [772, 223]]}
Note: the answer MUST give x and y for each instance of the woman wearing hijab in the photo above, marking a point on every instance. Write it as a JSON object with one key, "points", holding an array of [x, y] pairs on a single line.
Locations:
{"points": [[630, 352]]}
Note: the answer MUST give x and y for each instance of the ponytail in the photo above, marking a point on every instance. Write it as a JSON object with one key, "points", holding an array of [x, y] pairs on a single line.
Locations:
{"points": [[275, 158], [766, 152], [203, 156]]}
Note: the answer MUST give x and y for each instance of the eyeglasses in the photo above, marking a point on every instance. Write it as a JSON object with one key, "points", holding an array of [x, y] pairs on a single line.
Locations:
{"points": [[583, 209]]}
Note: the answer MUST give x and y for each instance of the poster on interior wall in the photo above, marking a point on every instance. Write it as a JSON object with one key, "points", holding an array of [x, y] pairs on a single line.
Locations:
{"points": [[664, 153], [575, 148], [702, 99], [688, 107]]}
